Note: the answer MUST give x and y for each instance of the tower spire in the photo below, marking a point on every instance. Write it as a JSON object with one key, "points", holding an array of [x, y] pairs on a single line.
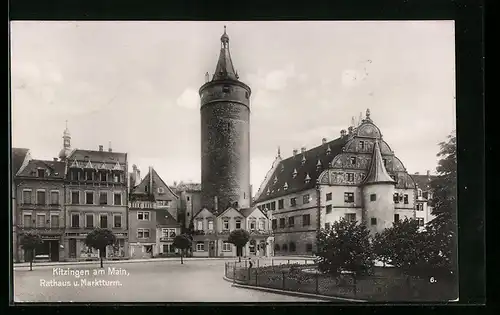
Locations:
{"points": [[279, 152], [377, 172], [63, 154], [225, 69]]}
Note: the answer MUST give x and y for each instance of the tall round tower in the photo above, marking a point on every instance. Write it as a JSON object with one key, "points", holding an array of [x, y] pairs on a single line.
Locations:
{"points": [[225, 136]]}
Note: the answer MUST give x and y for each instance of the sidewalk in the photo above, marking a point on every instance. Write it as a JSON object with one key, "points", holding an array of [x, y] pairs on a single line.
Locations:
{"points": [[97, 262]]}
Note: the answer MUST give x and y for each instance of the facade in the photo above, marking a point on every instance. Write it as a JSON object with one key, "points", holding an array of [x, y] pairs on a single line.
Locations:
{"points": [[167, 229], [19, 159], [96, 194], [424, 196], [189, 202], [225, 136], [151, 202], [211, 232], [40, 206], [356, 176]]}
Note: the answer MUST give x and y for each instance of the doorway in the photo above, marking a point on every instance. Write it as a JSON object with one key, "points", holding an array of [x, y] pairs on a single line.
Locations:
{"points": [[262, 248], [211, 249], [54, 250], [72, 248]]}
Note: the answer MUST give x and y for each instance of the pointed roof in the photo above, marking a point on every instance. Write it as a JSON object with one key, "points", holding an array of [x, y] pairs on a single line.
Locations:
{"points": [[17, 159], [377, 172], [164, 218], [225, 69]]}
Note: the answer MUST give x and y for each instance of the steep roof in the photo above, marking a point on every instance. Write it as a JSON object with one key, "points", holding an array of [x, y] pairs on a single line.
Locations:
{"points": [[164, 218], [284, 172], [225, 69], [423, 181], [98, 156], [377, 172], [141, 187], [54, 169], [186, 187], [18, 156]]}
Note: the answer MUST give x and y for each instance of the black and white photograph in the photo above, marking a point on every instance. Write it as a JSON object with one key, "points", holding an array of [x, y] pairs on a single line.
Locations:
{"points": [[233, 161]]}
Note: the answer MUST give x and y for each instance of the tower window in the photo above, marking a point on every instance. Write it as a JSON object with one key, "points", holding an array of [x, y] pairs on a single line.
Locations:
{"points": [[247, 95], [362, 145], [373, 197], [373, 221], [225, 89], [41, 173], [353, 160]]}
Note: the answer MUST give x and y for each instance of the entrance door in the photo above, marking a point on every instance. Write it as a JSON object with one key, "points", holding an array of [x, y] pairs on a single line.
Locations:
{"points": [[72, 248], [211, 249], [262, 248], [54, 250]]}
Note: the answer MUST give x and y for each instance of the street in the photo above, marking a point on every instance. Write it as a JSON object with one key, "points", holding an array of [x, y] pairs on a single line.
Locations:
{"points": [[155, 281]]}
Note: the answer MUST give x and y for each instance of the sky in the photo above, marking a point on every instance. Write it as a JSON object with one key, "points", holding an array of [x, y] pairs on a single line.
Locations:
{"points": [[135, 84]]}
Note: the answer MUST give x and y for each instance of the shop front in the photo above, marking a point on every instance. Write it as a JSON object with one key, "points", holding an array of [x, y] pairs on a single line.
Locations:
{"points": [[50, 249], [77, 250]]}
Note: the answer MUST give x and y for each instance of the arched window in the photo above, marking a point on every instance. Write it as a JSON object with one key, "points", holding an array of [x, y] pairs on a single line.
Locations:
{"points": [[277, 247], [292, 246]]}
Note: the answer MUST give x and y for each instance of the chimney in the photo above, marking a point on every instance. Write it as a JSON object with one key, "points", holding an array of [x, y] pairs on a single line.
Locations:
{"points": [[151, 179], [323, 141], [55, 159], [216, 204], [428, 173], [342, 133], [101, 148], [417, 173], [109, 147], [175, 183], [303, 149], [295, 152]]}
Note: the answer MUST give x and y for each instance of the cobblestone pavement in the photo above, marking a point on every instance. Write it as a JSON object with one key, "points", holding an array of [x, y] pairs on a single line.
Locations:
{"points": [[162, 281]]}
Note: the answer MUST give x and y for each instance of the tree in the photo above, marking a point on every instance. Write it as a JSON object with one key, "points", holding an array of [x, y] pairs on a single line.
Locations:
{"points": [[29, 241], [182, 242], [404, 246], [345, 247], [239, 238], [99, 239], [441, 231]]}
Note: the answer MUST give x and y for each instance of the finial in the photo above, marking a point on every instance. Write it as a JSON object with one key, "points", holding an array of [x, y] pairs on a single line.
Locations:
{"points": [[352, 121], [224, 29], [368, 113], [279, 152], [66, 124]]}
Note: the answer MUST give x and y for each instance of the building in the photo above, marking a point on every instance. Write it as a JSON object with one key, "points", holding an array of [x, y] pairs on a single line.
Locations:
{"points": [[153, 208], [19, 159], [356, 176], [211, 232], [189, 202], [424, 196], [167, 228], [225, 136], [96, 194], [40, 206]]}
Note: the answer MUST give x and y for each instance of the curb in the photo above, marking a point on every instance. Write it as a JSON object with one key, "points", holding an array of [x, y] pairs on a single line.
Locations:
{"points": [[239, 284]]}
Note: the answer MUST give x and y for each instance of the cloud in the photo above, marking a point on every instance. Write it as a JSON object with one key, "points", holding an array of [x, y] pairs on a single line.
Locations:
{"points": [[189, 99], [275, 80]]}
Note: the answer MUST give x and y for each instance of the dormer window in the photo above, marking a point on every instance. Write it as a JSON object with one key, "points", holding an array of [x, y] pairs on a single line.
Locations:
{"points": [[41, 173], [318, 165], [282, 167], [303, 160], [161, 190], [307, 179], [328, 150], [361, 145], [294, 174], [285, 187], [275, 179], [353, 160], [268, 191]]}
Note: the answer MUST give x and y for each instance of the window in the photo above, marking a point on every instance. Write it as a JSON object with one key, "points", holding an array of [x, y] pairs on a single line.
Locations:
{"points": [[200, 247], [353, 160], [40, 197], [117, 221], [328, 209], [277, 247], [103, 198], [327, 226], [40, 220], [292, 246], [143, 216], [262, 225], [118, 199], [75, 220], [348, 197], [328, 196], [54, 221], [238, 224], [116, 178], [284, 248], [225, 89], [75, 197], [146, 188], [143, 233], [274, 224], [247, 95], [281, 204], [89, 197], [293, 202], [396, 198], [291, 221], [210, 225], [306, 220], [385, 162], [225, 224], [104, 177], [305, 199], [252, 225], [350, 217], [89, 175], [164, 203], [41, 173], [396, 217], [104, 221], [309, 247], [419, 192], [199, 225], [89, 220], [161, 190], [373, 197], [226, 246], [54, 197], [27, 197], [420, 221], [405, 198], [27, 220], [187, 198], [350, 177], [373, 221], [282, 223], [420, 206], [362, 145], [171, 233]]}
